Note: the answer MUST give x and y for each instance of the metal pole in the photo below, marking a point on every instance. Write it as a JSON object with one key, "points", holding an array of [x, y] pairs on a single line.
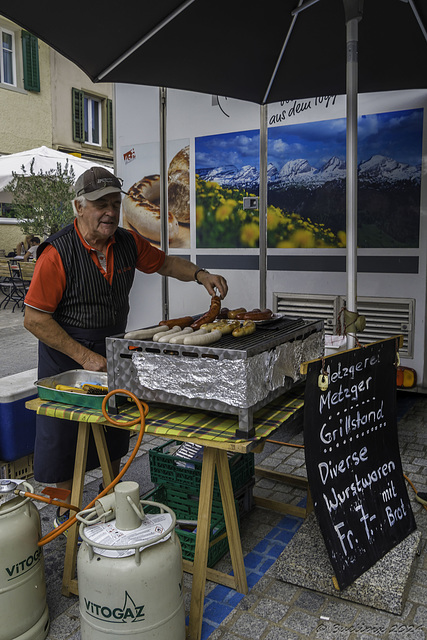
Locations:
{"points": [[164, 240], [263, 145], [351, 177]]}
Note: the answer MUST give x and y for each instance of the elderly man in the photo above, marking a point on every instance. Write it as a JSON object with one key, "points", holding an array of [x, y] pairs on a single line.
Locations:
{"points": [[78, 296]]}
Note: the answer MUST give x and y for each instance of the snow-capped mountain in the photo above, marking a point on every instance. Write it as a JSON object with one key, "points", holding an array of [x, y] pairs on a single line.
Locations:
{"points": [[299, 172], [246, 176], [333, 169], [272, 172], [387, 170], [222, 175]]}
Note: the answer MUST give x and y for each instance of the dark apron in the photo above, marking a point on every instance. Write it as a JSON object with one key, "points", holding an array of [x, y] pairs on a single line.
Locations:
{"points": [[56, 439]]}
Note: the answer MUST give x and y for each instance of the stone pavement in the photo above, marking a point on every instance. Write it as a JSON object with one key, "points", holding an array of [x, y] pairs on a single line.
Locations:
{"points": [[18, 346], [273, 609]]}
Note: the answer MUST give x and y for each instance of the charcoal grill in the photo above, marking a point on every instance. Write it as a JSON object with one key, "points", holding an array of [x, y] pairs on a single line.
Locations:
{"points": [[234, 375]]}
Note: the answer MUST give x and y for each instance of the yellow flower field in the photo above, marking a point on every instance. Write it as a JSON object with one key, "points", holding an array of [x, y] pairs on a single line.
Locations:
{"points": [[222, 222]]}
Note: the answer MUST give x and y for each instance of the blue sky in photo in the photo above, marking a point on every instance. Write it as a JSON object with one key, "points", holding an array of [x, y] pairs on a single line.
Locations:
{"points": [[396, 134], [238, 148]]}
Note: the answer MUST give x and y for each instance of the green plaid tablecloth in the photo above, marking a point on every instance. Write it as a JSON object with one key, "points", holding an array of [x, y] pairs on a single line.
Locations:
{"points": [[179, 422]]}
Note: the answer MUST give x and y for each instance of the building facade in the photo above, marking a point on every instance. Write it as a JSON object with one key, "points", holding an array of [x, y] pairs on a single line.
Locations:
{"points": [[25, 90], [47, 100], [82, 112]]}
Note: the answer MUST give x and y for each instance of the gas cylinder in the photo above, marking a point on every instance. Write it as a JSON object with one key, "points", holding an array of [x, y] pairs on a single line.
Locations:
{"points": [[129, 570], [23, 609]]}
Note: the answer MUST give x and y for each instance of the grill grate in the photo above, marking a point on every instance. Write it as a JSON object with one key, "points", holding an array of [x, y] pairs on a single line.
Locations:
{"points": [[266, 337]]}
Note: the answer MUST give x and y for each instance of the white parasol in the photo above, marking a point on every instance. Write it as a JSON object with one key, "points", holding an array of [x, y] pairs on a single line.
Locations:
{"points": [[45, 159]]}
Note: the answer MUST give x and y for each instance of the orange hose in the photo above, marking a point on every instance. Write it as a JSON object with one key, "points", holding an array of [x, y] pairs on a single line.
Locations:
{"points": [[143, 410], [57, 503], [407, 480], [286, 444]]}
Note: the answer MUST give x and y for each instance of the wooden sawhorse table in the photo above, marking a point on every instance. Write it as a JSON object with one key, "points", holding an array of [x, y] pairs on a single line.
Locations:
{"points": [[214, 458], [69, 580]]}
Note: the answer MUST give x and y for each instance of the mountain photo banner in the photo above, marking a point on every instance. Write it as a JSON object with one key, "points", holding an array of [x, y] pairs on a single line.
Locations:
{"points": [[307, 184]]}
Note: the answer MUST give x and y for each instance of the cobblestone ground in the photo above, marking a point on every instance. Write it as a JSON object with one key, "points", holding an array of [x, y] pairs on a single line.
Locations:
{"points": [[275, 610]]}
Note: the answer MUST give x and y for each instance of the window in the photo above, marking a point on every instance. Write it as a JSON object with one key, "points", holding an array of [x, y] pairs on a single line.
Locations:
{"points": [[92, 120], [88, 119], [11, 60], [7, 54]]}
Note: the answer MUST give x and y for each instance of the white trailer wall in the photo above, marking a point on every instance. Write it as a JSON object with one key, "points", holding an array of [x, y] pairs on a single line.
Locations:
{"points": [[383, 272]]}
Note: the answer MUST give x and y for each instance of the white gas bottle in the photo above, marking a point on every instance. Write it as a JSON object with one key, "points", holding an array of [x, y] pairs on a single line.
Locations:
{"points": [[129, 570], [23, 609]]}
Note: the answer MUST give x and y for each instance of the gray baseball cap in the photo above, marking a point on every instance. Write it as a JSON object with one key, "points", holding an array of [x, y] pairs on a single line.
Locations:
{"points": [[97, 182]]}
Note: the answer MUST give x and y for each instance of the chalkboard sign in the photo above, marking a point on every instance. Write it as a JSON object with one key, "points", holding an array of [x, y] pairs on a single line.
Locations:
{"points": [[352, 456]]}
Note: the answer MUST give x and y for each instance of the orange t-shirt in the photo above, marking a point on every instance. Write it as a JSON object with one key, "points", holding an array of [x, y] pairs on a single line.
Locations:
{"points": [[49, 279]]}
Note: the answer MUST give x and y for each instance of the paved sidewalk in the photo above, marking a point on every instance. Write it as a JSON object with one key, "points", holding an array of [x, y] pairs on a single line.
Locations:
{"points": [[18, 346], [273, 610]]}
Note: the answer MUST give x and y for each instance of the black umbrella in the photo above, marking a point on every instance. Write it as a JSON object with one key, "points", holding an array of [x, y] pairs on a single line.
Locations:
{"points": [[262, 52], [231, 48]]}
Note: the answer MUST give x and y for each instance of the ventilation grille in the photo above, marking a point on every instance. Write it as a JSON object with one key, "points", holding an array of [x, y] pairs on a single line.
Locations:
{"points": [[385, 317], [309, 307]]}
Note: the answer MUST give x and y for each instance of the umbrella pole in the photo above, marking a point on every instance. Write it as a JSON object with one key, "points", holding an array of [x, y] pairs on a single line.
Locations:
{"points": [[164, 195], [353, 15], [263, 148]]}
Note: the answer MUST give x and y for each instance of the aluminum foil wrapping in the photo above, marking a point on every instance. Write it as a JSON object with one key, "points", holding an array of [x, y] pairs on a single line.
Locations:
{"points": [[239, 383]]}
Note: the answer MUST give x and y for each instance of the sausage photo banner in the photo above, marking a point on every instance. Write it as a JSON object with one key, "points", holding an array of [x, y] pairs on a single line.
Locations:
{"points": [[352, 457]]}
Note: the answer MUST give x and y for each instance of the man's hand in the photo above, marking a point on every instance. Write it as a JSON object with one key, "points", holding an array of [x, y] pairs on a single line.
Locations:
{"points": [[212, 281], [94, 362], [181, 269]]}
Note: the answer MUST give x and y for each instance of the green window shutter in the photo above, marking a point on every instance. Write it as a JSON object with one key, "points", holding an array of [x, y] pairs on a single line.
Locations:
{"points": [[30, 58], [78, 115], [110, 137]]}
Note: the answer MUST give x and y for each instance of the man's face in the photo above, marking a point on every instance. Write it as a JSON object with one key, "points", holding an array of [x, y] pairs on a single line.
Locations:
{"points": [[99, 219]]}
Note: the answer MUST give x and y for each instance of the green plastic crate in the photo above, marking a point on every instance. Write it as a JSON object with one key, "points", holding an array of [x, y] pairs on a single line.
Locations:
{"points": [[164, 469], [244, 498], [186, 507]]}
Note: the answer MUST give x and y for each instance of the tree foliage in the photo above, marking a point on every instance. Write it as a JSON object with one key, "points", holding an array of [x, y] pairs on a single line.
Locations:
{"points": [[42, 201]]}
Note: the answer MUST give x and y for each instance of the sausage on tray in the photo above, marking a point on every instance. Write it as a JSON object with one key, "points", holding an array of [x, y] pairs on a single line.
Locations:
{"points": [[163, 334], [246, 329], [228, 327], [255, 315], [233, 313], [210, 315], [202, 339], [173, 333], [225, 326], [178, 338], [144, 334], [223, 314], [177, 322]]}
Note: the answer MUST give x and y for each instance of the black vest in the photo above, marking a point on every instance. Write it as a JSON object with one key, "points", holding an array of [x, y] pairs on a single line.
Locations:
{"points": [[89, 301]]}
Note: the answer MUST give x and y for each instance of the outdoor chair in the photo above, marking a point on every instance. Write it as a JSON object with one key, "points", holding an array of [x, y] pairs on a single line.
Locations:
{"points": [[21, 278], [6, 286]]}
